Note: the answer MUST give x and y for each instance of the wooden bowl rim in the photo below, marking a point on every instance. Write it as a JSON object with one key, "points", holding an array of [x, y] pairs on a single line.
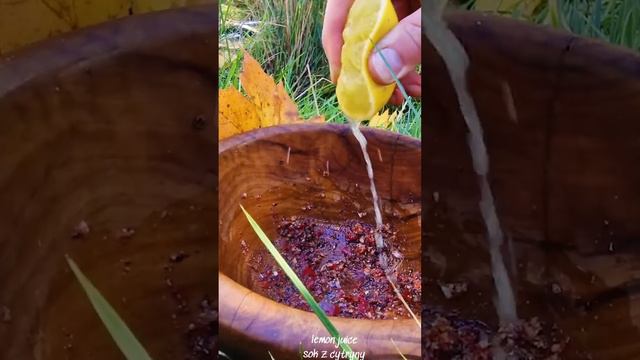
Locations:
{"points": [[266, 132], [67, 50]]}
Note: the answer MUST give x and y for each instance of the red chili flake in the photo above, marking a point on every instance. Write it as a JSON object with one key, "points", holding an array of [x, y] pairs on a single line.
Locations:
{"points": [[369, 239], [362, 305], [406, 294], [377, 272], [358, 229], [308, 271], [264, 283]]}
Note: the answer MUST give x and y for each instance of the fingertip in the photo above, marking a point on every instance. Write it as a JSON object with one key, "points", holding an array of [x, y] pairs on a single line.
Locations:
{"points": [[413, 84], [404, 41], [415, 91], [385, 65], [335, 18]]}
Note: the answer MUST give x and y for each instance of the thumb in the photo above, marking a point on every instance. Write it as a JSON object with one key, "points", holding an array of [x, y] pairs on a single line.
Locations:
{"points": [[400, 48]]}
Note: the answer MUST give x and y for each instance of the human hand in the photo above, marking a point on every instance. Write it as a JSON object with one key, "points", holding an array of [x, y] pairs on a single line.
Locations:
{"points": [[401, 47]]}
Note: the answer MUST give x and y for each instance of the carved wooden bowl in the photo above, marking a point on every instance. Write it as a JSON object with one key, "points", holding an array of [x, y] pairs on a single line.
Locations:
{"points": [[560, 117], [113, 126], [287, 165]]}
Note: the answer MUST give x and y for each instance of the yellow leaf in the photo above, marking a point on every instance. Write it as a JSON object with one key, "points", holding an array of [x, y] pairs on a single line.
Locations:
{"points": [[288, 109], [383, 120], [266, 103], [273, 103], [236, 114]]}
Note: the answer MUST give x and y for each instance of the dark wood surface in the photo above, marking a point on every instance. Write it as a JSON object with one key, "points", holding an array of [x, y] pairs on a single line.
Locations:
{"points": [[99, 126], [564, 173], [254, 172]]}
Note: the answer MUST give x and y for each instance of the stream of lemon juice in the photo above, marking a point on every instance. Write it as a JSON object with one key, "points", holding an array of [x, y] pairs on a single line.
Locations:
{"points": [[357, 133], [382, 257], [457, 62]]}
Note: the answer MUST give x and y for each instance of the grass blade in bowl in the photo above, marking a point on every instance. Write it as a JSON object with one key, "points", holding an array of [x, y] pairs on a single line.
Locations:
{"points": [[121, 334], [299, 285]]}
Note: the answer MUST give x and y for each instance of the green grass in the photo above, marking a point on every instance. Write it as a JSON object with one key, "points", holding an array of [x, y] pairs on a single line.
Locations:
{"points": [[124, 338], [117, 328], [614, 21], [287, 43]]}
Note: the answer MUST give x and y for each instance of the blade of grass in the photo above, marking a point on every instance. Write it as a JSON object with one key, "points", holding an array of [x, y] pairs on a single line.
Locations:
{"points": [[597, 15], [554, 14], [221, 354], [395, 289], [408, 101], [124, 338], [313, 90], [324, 319], [397, 349], [395, 78]]}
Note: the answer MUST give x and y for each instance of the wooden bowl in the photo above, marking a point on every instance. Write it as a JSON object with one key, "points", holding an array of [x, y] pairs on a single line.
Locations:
{"points": [[286, 165], [564, 171], [113, 126]]}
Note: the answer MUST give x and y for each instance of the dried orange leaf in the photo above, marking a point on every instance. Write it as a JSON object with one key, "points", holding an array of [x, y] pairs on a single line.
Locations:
{"points": [[236, 114]]}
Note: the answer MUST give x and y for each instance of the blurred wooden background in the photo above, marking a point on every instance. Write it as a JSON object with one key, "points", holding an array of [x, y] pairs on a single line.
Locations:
{"points": [[23, 22]]}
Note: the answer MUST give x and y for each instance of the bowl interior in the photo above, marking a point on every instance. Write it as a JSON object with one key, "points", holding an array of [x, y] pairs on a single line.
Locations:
{"points": [[564, 175], [93, 133], [277, 172]]}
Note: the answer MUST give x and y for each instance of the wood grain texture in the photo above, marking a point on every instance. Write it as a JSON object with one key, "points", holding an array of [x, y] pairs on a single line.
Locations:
{"points": [[99, 126], [564, 174], [254, 172]]}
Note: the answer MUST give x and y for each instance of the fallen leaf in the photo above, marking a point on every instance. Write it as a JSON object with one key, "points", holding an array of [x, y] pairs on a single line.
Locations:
{"points": [[237, 114], [273, 103], [288, 109], [383, 120], [266, 103]]}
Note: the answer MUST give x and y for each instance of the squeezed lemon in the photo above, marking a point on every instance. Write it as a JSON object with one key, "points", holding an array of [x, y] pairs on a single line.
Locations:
{"points": [[359, 96]]}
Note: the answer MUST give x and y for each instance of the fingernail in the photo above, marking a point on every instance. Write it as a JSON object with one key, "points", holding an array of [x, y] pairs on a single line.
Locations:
{"points": [[380, 69]]}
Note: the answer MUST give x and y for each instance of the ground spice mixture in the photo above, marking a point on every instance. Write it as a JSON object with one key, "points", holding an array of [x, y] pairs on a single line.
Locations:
{"points": [[338, 263], [202, 334], [448, 336]]}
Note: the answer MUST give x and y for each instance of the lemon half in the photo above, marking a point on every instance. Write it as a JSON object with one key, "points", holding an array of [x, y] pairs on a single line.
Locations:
{"points": [[359, 96]]}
